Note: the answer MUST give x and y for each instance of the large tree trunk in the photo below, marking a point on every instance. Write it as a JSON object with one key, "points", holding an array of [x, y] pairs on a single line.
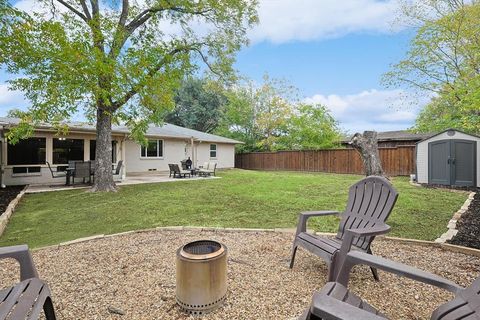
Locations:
{"points": [[367, 145], [103, 153]]}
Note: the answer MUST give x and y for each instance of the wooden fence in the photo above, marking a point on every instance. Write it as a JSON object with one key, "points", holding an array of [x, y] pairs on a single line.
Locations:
{"points": [[398, 161]]}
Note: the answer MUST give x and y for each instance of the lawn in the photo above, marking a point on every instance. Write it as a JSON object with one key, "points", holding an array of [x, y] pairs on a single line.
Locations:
{"points": [[247, 199]]}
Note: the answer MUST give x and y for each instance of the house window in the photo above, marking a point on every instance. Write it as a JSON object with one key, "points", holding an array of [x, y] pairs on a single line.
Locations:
{"points": [[93, 145], [27, 151], [65, 150], [213, 151], [154, 149], [25, 170]]}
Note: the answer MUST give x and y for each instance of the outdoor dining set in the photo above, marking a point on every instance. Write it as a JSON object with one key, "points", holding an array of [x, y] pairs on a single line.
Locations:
{"points": [[84, 170]]}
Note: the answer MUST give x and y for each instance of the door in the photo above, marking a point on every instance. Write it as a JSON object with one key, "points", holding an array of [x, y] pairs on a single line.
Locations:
{"points": [[439, 163], [463, 162], [452, 162]]}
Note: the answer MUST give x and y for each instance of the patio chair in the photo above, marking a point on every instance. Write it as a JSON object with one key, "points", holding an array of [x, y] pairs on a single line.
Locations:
{"points": [[172, 170], [82, 171], [370, 202], [208, 169], [178, 172], [56, 174], [118, 168], [26, 299], [335, 302]]}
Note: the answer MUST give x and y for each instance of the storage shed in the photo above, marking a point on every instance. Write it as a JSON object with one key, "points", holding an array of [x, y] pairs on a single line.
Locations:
{"points": [[449, 158]]}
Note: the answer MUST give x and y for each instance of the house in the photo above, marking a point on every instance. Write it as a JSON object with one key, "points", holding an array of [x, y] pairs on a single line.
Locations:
{"points": [[392, 139], [449, 158], [26, 161]]}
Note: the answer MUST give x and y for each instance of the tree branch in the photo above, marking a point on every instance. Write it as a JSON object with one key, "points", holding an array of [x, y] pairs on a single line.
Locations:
{"points": [[134, 90], [85, 9], [75, 11]]}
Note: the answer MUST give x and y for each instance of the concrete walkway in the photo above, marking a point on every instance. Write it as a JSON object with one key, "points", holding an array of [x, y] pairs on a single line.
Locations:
{"points": [[138, 178]]}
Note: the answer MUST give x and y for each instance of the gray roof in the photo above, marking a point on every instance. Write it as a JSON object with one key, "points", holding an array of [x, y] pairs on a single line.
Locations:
{"points": [[399, 135], [167, 130]]}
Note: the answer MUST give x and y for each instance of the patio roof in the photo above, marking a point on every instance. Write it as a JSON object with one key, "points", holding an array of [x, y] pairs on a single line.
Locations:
{"points": [[166, 130]]}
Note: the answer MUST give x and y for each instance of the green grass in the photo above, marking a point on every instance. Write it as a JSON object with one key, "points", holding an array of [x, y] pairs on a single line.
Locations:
{"points": [[247, 199]]}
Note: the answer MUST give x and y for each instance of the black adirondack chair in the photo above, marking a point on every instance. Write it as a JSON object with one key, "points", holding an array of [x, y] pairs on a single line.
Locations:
{"points": [[370, 202], [335, 302], [26, 299]]}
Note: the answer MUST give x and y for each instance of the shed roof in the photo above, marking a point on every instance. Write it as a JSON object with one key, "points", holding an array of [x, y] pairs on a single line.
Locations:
{"points": [[167, 130]]}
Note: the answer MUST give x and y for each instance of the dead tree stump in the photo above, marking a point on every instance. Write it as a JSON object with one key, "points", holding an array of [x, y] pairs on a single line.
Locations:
{"points": [[367, 145]]}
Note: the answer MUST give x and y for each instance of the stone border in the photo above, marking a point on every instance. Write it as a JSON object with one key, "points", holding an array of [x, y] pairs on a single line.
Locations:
{"points": [[5, 217], [444, 246], [452, 224]]}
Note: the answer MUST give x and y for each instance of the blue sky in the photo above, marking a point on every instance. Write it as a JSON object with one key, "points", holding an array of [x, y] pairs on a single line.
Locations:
{"points": [[334, 52]]}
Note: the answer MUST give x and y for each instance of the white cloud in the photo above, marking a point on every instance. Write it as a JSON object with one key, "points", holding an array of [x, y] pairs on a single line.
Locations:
{"points": [[288, 20], [379, 110]]}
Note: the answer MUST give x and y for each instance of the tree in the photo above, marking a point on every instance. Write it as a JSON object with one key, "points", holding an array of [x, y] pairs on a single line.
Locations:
{"points": [[114, 60], [311, 127], [367, 145], [198, 104], [258, 115], [443, 61]]}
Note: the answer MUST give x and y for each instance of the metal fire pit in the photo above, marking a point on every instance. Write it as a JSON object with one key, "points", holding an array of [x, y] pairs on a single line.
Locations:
{"points": [[201, 276]]}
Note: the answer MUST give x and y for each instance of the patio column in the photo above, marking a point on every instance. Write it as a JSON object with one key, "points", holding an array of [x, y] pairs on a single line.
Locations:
{"points": [[194, 157], [123, 156]]}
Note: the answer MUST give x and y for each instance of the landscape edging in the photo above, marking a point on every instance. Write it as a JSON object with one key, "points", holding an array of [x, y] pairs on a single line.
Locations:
{"points": [[5, 217], [445, 246], [452, 224]]}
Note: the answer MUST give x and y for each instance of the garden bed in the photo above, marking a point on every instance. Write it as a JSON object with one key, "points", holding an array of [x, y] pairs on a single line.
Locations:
{"points": [[469, 226], [135, 274], [8, 194]]}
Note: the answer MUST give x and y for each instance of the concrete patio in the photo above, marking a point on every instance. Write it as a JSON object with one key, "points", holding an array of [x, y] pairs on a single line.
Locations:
{"points": [[133, 178]]}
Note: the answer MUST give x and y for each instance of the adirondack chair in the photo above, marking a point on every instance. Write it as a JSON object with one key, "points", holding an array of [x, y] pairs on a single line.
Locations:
{"points": [[26, 299], [335, 302], [370, 202]]}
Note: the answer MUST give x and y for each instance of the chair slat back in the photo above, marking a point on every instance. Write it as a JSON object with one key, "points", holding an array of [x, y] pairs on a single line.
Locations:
{"points": [[175, 168], [370, 202], [465, 305], [119, 167], [82, 169]]}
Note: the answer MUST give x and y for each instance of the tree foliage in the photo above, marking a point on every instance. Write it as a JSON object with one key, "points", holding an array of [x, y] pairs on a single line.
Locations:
{"points": [[198, 105], [443, 60], [115, 60], [269, 117], [311, 127]]}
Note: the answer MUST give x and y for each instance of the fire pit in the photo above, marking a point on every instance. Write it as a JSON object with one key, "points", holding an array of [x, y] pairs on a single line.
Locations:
{"points": [[201, 276]]}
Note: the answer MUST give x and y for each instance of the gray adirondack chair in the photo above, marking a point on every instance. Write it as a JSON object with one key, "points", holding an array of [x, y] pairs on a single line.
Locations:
{"points": [[335, 302], [26, 299], [370, 202]]}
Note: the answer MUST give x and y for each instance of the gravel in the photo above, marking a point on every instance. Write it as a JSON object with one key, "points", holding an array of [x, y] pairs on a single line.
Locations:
{"points": [[134, 274]]}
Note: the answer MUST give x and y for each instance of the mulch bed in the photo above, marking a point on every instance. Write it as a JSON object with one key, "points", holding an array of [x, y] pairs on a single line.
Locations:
{"points": [[469, 226], [8, 194]]}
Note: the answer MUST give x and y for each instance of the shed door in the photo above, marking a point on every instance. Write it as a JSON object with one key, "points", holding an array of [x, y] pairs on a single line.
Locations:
{"points": [[452, 162], [439, 163], [463, 162]]}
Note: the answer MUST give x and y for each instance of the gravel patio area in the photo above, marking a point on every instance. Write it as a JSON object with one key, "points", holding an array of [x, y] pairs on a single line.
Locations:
{"points": [[136, 274]]}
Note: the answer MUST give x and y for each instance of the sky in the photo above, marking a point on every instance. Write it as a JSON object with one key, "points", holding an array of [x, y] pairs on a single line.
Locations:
{"points": [[334, 52]]}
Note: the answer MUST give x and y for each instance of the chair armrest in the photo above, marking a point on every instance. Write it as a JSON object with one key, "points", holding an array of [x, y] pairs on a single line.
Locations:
{"points": [[349, 236], [24, 258], [329, 308], [357, 257], [304, 216]]}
